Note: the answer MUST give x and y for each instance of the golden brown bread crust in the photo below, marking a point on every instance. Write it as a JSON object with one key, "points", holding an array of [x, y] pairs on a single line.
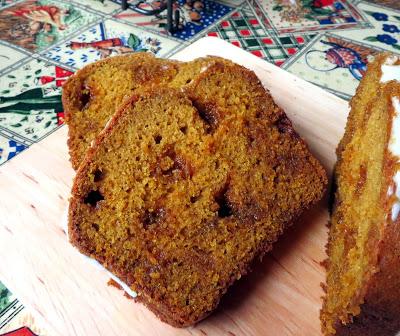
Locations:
{"points": [[242, 213], [379, 296]]}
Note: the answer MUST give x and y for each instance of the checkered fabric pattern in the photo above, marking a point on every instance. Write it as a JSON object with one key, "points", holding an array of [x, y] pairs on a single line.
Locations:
{"points": [[244, 30]]}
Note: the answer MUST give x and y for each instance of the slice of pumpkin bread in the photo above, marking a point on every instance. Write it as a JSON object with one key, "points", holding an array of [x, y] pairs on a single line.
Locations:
{"points": [[363, 266], [91, 96], [184, 188]]}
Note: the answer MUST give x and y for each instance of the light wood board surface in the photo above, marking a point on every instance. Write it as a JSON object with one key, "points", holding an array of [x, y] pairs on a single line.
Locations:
{"points": [[71, 297]]}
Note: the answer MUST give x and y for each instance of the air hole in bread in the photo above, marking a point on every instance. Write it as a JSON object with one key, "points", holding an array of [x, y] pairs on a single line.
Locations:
{"points": [[224, 205], [95, 227], [193, 199], [183, 129], [277, 178], [157, 139], [93, 197], [151, 217], [85, 97], [98, 175]]}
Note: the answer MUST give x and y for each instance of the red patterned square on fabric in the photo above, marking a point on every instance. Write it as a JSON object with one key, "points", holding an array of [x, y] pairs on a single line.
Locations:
{"points": [[225, 24], [213, 34], [245, 32], [257, 53], [236, 14], [279, 63], [60, 82], [291, 51], [299, 39], [236, 43], [267, 41], [60, 118], [254, 22], [24, 331], [61, 73]]}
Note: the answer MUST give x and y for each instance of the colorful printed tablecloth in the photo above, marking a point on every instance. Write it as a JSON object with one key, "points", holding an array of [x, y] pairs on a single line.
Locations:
{"points": [[43, 42]]}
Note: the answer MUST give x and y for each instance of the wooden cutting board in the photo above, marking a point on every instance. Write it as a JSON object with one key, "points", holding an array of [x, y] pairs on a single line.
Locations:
{"points": [[71, 297]]}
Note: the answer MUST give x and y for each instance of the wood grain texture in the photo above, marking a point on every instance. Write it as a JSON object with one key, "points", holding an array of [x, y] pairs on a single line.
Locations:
{"points": [[71, 297]]}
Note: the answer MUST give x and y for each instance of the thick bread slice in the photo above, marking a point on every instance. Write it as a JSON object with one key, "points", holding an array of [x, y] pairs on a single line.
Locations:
{"points": [[91, 96], [182, 190], [363, 266]]}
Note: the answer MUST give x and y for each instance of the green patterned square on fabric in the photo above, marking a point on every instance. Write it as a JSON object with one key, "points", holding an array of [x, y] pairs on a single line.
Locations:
{"points": [[286, 40], [240, 23], [5, 296], [251, 42]]}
